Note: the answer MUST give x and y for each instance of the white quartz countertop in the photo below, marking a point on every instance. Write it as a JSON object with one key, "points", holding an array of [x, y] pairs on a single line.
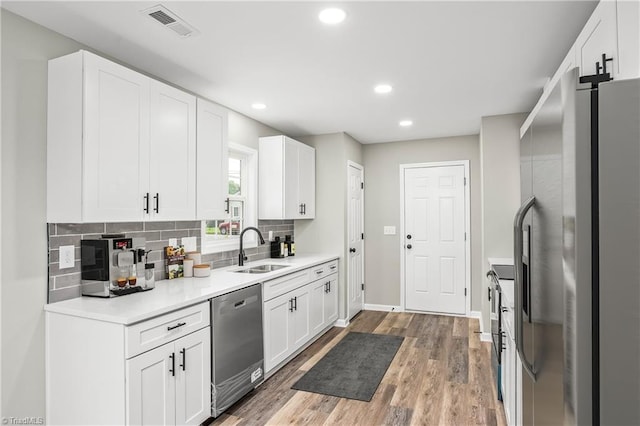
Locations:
{"points": [[170, 295]]}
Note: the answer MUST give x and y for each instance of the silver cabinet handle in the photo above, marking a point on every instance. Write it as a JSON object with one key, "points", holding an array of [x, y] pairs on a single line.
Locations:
{"points": [[517, 257]]}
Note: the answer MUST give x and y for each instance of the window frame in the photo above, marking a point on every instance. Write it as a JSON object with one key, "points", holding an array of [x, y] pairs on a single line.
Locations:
{"points": [[249, 191]]}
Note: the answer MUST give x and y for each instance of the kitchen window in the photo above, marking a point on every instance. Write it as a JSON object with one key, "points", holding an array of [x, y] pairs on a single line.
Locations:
{"points": [[222, 234]]}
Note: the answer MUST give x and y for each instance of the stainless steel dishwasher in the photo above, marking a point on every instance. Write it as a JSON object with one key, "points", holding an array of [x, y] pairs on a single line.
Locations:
{"points": [[236, 346]]}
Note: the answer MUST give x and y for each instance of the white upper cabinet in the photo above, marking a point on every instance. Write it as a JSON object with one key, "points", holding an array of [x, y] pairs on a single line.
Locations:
{"points": [[116, 138], [213, 161], [120, 146], [287, 184], [172, 154], [599, 36]]}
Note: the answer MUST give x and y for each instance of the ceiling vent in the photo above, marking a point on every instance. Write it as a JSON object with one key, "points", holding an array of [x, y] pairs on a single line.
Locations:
{"points": [[170, 20]]}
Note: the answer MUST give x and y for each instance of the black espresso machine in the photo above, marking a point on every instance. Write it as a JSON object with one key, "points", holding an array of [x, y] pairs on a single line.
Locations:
{"points": [[112, 266]]}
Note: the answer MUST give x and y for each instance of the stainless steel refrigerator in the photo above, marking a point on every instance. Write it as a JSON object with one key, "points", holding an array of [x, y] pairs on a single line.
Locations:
{"points": [[577, 255]]}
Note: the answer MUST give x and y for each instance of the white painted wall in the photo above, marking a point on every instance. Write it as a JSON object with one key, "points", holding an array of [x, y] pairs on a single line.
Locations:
{"points": [[382, 207], [327, 233], [500, 160]]}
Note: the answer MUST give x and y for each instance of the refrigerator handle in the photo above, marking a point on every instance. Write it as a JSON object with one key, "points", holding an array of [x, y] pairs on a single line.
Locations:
{"points": [[517, 257]]}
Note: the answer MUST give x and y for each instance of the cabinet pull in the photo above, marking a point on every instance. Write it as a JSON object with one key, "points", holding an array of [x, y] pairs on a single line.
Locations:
{"points": [[319, 271], [304, 209], [184, 359], [301, 208], [291, 305], [329, 286], [226, 203], [178, 325], [295, 303], [332, 267], [172, 370], [146, 203], [157, 202]]}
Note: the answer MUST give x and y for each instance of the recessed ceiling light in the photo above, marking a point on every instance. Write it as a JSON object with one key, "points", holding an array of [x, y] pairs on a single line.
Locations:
{"points": [[406, 123], [332, 16], [382, 88], [258, 105]]}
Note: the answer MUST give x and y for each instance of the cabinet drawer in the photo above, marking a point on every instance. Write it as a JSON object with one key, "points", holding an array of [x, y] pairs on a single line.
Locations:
{"points": [[152, 333], [323, 270], [282, 285]]}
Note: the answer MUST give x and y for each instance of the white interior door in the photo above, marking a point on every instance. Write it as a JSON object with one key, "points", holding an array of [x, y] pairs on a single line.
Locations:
{"points": [[355, 231], [434, 240]]}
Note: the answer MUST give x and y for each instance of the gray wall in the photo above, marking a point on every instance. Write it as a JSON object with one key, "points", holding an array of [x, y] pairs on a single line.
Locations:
{"points": [[26, 47], [382, 207], [327, 233], [500, 158]]}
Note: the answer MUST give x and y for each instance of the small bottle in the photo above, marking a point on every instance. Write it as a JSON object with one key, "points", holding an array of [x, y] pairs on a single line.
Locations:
{"points": [[149, 275]]}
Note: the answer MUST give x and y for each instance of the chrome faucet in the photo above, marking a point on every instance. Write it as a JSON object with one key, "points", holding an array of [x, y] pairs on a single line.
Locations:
{"points": [[241, 256]]}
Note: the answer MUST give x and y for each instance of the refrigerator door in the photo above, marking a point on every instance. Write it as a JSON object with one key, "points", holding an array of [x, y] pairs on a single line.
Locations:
{"points": [[619, 252], [540, 279]]}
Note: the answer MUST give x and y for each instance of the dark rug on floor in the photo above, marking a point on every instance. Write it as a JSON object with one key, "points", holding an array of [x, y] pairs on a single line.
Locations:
{"points": [[353, 368]]}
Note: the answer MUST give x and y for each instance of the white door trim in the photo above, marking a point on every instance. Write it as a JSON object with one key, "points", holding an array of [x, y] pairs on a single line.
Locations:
{"points": [[346, 248], [467, 224]]}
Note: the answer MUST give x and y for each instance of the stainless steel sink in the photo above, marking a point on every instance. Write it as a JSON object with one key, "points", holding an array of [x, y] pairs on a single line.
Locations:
{"points": [[261, 269]]}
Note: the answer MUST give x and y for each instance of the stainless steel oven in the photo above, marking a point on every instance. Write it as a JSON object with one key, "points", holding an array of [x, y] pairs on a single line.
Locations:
{"points": [[495, 274]]}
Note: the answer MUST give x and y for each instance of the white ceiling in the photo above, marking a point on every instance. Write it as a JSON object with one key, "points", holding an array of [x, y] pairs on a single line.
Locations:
{"points": [[450, 63]]}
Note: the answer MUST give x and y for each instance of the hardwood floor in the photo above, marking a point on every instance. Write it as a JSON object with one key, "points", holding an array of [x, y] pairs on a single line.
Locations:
{"points": [[441, 375]]}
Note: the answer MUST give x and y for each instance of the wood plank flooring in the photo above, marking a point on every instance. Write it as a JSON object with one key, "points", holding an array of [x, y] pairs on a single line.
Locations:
{"points": [[441, 375]]}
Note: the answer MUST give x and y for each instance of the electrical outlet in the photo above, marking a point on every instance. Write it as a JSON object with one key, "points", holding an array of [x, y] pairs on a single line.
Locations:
{"points": [[67, 257], [270, 235], [389, 230], [173, 242]]}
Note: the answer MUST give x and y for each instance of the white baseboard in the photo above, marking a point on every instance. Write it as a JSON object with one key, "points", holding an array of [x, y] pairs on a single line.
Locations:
{"points": [[484, 337], [384, 308], [341, 323]]}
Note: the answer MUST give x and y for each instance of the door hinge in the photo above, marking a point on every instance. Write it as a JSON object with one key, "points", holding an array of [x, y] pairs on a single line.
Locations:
{"points": [[361, 185], [465, 236], [363, 286], [465, 292], [465, 181], [362, 236]]}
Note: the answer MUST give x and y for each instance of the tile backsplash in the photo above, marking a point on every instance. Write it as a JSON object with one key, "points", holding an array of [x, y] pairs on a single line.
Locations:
{"points": [[65, 283]]}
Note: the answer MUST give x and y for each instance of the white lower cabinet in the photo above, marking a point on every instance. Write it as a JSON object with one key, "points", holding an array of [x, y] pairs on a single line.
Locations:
{"points": [[171, 384], [295, 317], [154, 372], [286, 325]]}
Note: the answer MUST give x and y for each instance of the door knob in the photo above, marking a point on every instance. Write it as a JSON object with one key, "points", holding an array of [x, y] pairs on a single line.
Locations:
{"points": [[352, 250], [409, 246], [408, 236]]}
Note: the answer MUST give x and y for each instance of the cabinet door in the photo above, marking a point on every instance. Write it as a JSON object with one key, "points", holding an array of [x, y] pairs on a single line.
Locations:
{"points": [[301, 326], [193, 378], [307, 180], [213, 160], [278, 317], [151, 387], [116, 141], [599, 35], [172, 154], [292, 204], [317, 309], [331, 301]]}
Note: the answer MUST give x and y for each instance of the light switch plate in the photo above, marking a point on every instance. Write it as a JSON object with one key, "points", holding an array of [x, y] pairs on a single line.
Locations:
{"points": [[189, 244], [173, 242], [389, 230], [67, 257]]}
